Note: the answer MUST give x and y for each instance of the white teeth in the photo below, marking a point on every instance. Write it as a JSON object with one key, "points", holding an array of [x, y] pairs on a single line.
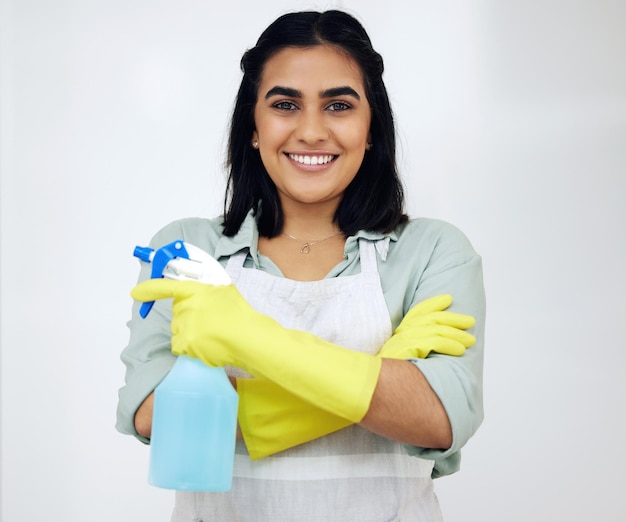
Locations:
{"points": [[311, 160]]}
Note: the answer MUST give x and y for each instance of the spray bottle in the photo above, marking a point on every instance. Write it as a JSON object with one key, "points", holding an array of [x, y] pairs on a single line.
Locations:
{"points": [[194, 421]]}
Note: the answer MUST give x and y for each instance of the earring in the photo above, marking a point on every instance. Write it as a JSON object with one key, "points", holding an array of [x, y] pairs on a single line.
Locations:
{"points": [[255, 144], [369, 146]]}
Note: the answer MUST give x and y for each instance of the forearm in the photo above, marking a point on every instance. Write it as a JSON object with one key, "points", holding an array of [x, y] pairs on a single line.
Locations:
{"points": [[143, 417], [405, 408]]}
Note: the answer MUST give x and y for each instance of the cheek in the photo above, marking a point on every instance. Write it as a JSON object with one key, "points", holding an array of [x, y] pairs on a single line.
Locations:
{"points": [[355, 134], [272, 132]]}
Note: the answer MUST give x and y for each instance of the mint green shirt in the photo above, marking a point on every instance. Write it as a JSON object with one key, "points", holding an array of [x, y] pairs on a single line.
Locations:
{"points": [[418, 260]]}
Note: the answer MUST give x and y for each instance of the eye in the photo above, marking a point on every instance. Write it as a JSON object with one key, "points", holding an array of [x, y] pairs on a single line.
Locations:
{"points": [[338, 106], [285, 106]]}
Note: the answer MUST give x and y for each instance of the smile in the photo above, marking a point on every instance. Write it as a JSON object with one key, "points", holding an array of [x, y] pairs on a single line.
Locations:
{"points": [[312, 160]]}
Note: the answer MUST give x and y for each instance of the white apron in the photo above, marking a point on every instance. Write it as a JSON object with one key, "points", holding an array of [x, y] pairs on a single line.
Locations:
{"points": [[349, 475]]}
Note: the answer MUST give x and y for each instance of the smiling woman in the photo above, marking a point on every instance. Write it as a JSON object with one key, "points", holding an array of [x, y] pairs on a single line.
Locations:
{"points": [[324, 68], [340, 419]]}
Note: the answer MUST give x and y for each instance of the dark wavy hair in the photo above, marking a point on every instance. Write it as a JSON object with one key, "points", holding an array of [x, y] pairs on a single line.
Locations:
{"points": [[374, 200]]}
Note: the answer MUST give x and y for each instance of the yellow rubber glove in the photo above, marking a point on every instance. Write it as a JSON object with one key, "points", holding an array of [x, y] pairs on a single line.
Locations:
{"points": [[426, 328], [272, 419], [217, 325]]}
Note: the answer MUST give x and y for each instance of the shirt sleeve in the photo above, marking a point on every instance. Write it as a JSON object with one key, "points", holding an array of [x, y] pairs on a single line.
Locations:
{"points": [[147, 357], [453, 267]]}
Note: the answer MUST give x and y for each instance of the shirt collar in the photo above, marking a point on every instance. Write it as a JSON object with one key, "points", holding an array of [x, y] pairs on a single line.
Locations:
{"points": [[380, 239], [246, 238]]}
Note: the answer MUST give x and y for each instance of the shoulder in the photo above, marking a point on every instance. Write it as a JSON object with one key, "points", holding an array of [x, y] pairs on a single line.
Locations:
{"points": [[428, 257], [430, 236], [201, 232]]}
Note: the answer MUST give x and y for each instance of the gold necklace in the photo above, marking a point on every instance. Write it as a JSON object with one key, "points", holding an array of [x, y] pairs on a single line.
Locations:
{"points": [[306, 247]]}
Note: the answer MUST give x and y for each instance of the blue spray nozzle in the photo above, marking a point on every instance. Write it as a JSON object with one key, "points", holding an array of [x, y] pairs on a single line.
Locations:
{"points": [[143, 253], [159, 259]]}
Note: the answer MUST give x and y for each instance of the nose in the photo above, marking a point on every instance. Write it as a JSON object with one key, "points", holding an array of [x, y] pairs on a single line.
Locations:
{"points": [[311, 127]]}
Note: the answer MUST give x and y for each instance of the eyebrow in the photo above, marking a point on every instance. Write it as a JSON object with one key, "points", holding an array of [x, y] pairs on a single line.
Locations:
{"points": [[328, 93]]}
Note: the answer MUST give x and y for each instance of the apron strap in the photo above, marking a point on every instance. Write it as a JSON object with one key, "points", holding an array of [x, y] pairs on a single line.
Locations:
{"points": [[235, 263], [367, 253]]}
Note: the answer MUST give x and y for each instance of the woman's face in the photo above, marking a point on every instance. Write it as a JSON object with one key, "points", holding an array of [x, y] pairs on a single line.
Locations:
{"points": [[312, 123]]}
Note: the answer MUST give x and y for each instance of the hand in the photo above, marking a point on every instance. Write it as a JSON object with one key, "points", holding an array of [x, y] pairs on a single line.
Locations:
{"points": [[428, 328], [206, 319]]}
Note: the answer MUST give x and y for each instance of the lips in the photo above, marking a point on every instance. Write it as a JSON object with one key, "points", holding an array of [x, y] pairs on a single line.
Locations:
{"points": [[312, 159]]}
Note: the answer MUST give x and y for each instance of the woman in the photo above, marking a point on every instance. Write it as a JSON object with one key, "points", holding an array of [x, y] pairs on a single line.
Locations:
{"points": [[325, 267]]}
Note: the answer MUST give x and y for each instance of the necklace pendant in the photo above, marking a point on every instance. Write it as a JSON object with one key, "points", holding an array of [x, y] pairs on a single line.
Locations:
{"points": [[306, 248]]}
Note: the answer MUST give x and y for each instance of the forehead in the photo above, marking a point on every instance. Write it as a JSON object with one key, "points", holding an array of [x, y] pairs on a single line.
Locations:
{"points": [[318, 68]]}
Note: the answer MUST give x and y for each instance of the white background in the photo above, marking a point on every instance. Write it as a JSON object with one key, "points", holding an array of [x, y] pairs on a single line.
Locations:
{"points": [[512, 124]]}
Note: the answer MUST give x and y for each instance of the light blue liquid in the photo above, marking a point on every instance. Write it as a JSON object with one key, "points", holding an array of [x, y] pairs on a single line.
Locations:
{"points": [[194, 426]]}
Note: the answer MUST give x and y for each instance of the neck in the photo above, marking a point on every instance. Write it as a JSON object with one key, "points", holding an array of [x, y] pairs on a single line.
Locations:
{"points": [[310, 223]]}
